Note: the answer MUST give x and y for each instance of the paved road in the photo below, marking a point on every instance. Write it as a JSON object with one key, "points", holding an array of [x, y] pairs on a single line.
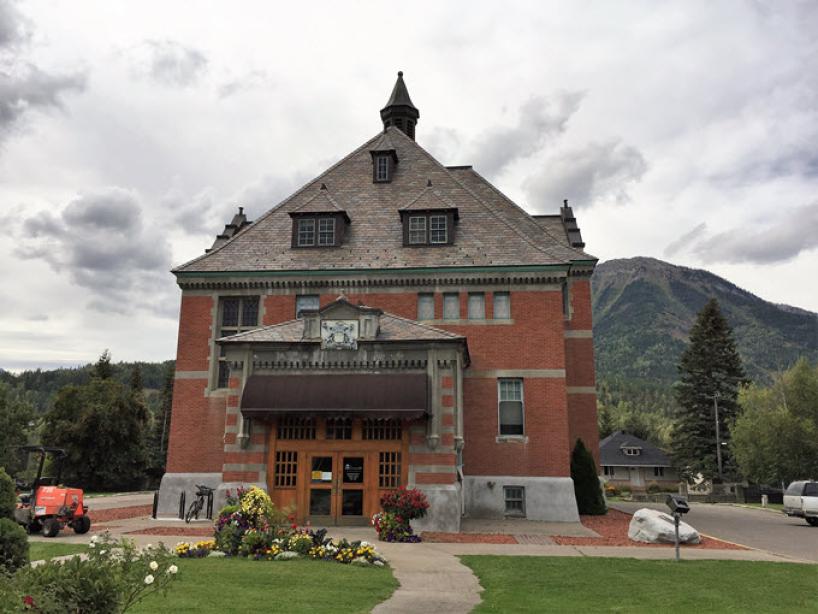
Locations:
{"points": [[757, 528]]}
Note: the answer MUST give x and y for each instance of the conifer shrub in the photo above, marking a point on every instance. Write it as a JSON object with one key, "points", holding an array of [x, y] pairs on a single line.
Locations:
{"points": [[13, 545], [8, 497], [586, 482]]}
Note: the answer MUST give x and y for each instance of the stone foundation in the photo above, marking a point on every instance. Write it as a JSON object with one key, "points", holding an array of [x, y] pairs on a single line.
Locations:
{"points": [[549, 498]]}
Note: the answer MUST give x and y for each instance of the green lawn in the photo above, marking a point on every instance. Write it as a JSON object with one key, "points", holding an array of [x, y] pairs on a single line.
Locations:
{"points": [[47, 550], [240, 585], [545, 584]]}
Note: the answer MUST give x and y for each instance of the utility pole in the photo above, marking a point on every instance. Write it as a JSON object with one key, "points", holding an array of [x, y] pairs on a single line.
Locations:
{"points": [[718, 435]]}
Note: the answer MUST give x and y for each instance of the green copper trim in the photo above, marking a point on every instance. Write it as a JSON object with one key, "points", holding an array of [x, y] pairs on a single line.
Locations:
{"points": [[422, 270]]}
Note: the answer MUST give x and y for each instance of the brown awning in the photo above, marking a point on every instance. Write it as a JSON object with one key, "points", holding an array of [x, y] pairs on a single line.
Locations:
{"points": [[395, 394]]}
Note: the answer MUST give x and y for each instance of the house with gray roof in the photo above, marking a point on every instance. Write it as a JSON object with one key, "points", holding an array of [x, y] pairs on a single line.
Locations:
{"points": [[628, 461]]}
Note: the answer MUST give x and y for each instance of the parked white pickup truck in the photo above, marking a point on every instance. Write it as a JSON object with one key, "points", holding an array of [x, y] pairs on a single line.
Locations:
{"points": [[801, 500]]}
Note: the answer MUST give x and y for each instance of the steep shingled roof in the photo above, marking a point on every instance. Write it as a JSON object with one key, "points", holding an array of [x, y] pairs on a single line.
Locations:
{"points": [[492, 230], [611, 452]]}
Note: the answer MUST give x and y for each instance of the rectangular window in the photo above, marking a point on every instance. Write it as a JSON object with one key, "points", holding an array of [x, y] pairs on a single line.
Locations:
{"points": [[293, 427], [566, 301], [326, 231], [437, 229], [306, 233], [382, 429], [286, 469], [610, 471], [515, 500], [238, 314], [451, 306], [305, 302], [510, 395], [381, 168], [502, 306], [339, 428], [389, 469], [477, 306], [417, 230], [426, 306], [659, 472]]}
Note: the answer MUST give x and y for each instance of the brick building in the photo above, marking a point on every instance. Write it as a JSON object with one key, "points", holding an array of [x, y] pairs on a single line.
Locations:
{"points": [[395, 321]]}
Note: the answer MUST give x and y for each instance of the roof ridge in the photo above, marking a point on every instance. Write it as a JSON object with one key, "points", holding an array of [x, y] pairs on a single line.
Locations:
{"points": [[273, 209], [481, 201]]}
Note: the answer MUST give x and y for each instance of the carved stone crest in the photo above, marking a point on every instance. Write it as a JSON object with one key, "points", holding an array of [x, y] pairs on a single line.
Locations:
{"points": [[339, 334]]}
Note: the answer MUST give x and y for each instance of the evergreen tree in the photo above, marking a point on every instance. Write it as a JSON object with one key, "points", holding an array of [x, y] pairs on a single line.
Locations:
{"points": [[15, 415], [710, 372], [136, 379], [586, 481], [104, 369]]}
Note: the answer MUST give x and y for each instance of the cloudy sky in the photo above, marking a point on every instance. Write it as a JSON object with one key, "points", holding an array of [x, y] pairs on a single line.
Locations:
{"points": [[129, 131]]}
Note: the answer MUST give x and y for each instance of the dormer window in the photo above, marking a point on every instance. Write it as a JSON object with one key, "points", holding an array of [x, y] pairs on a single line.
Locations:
{"points": [[632, 451], [428, 227], [317, 230], [381, 168]]}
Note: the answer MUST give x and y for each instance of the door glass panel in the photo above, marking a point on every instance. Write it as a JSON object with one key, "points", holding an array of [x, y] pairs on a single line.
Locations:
{"points": [[320, 502], [353, 470], [321, 472], [352, 503]]}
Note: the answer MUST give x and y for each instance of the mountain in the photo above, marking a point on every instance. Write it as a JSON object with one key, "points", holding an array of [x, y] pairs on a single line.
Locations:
{"points": [[644, 309]]}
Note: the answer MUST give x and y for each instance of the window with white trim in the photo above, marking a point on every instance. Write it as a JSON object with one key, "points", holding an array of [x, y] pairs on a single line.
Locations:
{"points": [[306, 232], [438, 232], [451, 306], [426, 306], [237, 314], [630, 451], [326, 231], [502, 306], [658, 472], [382, 168], [609, 471], [417, 229], [477, 306], [510, 406]]}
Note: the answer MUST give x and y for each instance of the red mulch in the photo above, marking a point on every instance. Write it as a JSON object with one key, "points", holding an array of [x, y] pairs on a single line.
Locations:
{"points": [[467, 538], [181, 531], [613, 531], [119, 513]]}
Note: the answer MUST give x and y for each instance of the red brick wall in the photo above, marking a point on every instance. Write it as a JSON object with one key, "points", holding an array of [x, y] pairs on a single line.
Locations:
{"points": [[534, 341]]}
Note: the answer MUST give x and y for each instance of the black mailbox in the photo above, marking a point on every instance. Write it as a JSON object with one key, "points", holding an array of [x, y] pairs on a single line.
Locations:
{"points": [[677, 504]]}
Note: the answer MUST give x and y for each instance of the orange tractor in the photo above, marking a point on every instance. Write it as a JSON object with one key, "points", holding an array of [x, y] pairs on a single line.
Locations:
{"points": [[42, 503]]}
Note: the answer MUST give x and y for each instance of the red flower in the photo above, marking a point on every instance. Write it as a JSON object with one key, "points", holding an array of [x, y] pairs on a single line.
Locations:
{"points": [[28, 601]]}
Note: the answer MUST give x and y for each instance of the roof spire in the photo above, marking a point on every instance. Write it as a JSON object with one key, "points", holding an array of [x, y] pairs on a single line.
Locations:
{"points": [[399, 110]]}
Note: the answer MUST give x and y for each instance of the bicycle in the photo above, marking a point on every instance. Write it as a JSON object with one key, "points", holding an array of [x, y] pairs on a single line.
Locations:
{"points": [[196, 506]]}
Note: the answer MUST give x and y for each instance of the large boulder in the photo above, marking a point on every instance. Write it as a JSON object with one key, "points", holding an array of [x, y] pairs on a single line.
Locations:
{"points": [[655, 527]]}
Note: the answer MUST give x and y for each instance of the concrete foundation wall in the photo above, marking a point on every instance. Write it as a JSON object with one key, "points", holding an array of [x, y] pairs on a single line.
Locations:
{"points": [[550, 499], [444, 509]]}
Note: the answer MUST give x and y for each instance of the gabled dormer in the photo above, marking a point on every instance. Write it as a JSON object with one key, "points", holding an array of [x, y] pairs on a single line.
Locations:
{"points": [[319, 222], [340, 324], [429, 219], [384, 159]]}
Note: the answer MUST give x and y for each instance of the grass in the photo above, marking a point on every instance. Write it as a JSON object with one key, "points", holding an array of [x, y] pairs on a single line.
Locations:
{"points": [[543, 584], [241, 585], [770, 506], [46, 550]]}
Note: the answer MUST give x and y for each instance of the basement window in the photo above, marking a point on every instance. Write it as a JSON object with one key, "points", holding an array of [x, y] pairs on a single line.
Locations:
{"points": [[514, 497]]}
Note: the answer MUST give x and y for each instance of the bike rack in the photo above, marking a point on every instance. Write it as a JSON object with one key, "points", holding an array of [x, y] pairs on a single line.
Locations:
{"points": [[182, 506], [155, 503], [210, 505]]}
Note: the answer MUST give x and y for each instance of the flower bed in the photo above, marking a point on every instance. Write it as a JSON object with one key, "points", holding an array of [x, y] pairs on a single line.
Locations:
{"points": [[250, 526], [119, 513]]}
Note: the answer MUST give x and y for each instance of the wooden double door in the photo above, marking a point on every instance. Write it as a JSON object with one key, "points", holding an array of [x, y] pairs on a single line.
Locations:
{"points": [[337, 487]]}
